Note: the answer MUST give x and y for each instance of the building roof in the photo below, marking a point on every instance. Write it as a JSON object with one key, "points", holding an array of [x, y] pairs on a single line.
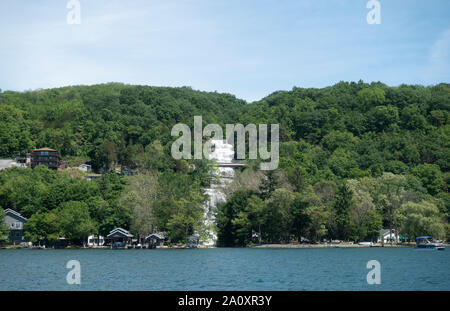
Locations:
{"points": [[385, 231], [93, 175], [44, 149], [119, 232], [11, 212], [155, 236]]}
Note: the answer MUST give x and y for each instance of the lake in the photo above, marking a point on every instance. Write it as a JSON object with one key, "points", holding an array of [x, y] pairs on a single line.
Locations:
{"points": [[226, 269]]}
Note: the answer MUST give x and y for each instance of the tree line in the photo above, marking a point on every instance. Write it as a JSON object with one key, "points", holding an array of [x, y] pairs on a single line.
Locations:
{"points": [[59, 204], [267, 208]]}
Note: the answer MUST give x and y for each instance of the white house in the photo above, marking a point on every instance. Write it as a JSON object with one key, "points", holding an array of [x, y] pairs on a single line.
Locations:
{"points": [[85, 167], [384, 236], [96, 240]]}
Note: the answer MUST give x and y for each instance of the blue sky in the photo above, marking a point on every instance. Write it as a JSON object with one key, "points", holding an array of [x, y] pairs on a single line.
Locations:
{"points": [[249, 48]]}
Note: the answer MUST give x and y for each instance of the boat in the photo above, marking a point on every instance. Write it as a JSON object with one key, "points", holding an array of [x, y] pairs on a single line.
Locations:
{"points": [[426, 242]]}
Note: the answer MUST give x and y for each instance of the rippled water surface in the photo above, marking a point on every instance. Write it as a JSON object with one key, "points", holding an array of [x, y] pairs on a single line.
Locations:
{"points": [[226, 269]]}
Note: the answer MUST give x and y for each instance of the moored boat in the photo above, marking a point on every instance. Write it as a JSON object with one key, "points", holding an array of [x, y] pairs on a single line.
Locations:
{"points": [[426, 242]]}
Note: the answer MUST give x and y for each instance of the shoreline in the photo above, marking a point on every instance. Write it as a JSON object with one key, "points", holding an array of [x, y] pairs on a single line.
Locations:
{"points": [[343, 245], [262, 246]]}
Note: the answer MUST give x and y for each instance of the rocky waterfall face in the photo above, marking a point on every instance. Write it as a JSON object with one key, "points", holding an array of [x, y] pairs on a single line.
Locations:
{"points": [[223, 154]]}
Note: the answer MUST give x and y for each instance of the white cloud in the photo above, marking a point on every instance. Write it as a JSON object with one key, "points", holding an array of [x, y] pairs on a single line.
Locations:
{"points": [[439, 59], [440, 49]]}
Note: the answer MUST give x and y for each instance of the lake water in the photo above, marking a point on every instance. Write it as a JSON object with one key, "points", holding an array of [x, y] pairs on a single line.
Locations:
{"points": [[226, 269]]}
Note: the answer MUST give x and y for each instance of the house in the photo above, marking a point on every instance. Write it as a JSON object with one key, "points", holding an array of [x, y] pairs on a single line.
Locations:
{"points": [[15, 223], [119, 237], [385, 236], [155, 239], [96, 240], [45, 156], [192, 241], [85, 167], [92, 176], [124, 170], [24, 161]]}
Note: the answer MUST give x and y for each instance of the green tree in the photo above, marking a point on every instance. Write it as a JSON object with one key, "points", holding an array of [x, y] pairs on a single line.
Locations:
{"points": [[383, 118], [186, 219], [226, 213], [108, 154], [140, 196], [179, 206], [297, 178], [279, 214], [4, 230], [342, 207], [365, 218], [371, 97], [44, 227], [431, 177], [423, 218], [14, 132], [75, 221], [257, 210], [391, 196], [318, 216], [269, 183]]}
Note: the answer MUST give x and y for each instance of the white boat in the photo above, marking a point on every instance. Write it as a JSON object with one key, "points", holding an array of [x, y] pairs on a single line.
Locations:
{"points": [[426, 242]]}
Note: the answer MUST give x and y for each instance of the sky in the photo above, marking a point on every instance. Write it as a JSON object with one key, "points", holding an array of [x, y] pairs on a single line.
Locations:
{"points": [[249, 48]]}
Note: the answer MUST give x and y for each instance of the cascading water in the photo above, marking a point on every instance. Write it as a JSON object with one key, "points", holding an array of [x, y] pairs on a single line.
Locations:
{"points": [[223, 154]]}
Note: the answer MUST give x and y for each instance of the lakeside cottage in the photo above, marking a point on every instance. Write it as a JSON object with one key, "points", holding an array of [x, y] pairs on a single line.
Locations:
{"points": [[95, 240], [155, 240], [119, 237], [385, 236], [15, 222]]}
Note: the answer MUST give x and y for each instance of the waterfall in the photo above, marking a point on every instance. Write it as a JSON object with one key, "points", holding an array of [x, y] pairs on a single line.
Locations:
{"points": [[223, 154]]}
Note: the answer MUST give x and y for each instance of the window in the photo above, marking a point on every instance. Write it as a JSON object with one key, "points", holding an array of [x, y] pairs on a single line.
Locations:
{"points": [[44, 152]]}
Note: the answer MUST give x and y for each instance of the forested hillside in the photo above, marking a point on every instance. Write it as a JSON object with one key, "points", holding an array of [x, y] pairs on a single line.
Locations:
{"points": [[354, 158], [107, 124]]}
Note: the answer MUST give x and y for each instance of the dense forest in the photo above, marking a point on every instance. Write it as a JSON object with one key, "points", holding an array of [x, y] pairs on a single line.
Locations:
{"points": [[354, 158]]}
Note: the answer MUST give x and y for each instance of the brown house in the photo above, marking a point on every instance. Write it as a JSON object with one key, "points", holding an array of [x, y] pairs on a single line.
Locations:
{"points": [[45, 156]]}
